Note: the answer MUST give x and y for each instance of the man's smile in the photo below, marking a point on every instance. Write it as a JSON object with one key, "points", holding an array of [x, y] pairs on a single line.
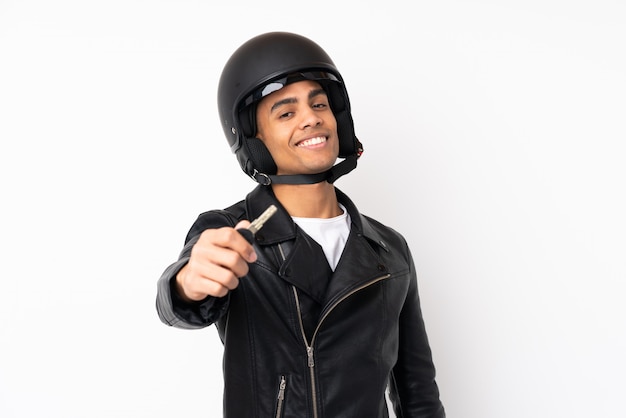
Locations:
{"points": [[312, 141]]}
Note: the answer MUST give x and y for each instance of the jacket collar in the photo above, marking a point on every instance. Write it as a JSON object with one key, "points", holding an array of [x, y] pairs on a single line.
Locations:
{"points": [[280, 227]]}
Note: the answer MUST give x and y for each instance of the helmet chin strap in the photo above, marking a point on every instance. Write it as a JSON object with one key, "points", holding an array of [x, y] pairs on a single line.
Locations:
{"points": [[338, 170]]}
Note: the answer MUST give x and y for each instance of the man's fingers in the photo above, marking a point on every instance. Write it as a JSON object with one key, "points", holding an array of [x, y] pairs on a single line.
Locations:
{"points": [[227, 275], [229, 238], [217, 261], [208, 259]]}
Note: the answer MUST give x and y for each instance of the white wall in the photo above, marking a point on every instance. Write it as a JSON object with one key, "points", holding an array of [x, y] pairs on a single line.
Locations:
{"points": [[494, 136]]}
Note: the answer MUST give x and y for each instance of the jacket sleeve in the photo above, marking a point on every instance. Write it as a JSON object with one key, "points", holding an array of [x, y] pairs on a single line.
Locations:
{"points": [[171, 308], [413, 390]]}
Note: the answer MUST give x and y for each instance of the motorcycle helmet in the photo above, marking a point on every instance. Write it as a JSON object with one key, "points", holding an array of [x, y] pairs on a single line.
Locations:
{"points": [[265, 64]]}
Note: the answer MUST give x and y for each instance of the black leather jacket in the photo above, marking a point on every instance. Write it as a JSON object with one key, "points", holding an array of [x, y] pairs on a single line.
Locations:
{"points": [[291, 351]]}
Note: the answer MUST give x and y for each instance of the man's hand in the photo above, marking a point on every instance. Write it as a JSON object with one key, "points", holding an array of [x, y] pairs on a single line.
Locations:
{"points": [[218, 260]]}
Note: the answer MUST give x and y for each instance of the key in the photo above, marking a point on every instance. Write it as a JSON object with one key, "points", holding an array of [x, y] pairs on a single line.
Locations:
{"points": [[248, 233]]}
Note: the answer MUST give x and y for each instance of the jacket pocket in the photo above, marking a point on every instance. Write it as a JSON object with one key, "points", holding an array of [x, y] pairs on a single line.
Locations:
{"points": [[280, 398]]}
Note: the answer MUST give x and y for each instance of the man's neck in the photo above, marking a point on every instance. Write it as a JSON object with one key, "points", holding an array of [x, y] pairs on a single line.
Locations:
{"points": [[308, 200]]}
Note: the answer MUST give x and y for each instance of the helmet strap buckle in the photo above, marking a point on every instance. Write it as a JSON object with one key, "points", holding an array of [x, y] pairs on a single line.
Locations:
{"points": [[261, 178]]}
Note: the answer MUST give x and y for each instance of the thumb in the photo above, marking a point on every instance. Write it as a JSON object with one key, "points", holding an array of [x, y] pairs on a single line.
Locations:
{"points": [[242, 224]]}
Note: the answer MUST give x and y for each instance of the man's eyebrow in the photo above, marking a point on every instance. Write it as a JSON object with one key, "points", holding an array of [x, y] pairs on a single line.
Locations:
{"points": [[288, 100], [283, 102], [316, 92]]}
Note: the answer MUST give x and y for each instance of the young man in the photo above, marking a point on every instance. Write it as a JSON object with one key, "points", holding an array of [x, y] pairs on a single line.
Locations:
{"points": [[320, 314]]}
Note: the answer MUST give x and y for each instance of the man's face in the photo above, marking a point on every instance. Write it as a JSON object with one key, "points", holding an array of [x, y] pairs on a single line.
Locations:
{"points": [[298, 128]]}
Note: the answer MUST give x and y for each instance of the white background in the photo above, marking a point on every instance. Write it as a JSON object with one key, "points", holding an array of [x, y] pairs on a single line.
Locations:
{"points": [[494, 140]]}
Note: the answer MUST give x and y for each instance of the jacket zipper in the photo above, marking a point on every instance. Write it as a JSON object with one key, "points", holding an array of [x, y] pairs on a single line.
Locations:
{"points": [[281, 396], [309, 346]]}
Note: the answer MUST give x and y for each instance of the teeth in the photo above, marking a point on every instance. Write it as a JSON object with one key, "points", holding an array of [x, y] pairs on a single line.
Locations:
{"points": [[312, 141]]}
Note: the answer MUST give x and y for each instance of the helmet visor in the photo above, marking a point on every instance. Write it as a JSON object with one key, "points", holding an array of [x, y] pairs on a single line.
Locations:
{"points": [[277, 84]]}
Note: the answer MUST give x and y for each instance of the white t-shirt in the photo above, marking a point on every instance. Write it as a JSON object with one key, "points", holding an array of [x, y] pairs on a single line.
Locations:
{"points": [[330, 233]]}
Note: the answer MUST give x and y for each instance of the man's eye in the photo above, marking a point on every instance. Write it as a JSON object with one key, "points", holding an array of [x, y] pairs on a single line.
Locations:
{"points": [[320, 105]]}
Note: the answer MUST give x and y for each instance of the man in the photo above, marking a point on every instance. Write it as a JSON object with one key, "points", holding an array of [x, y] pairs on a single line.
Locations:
{"points": [[320, 314]]}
